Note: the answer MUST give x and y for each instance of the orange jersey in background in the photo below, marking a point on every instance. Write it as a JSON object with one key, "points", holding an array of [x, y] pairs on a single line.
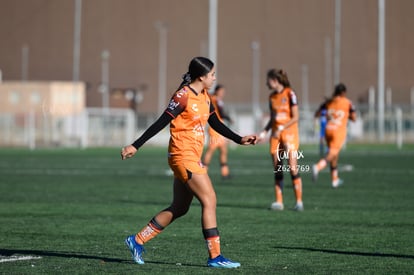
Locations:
{"points": [[338, 111], [281, 109]]}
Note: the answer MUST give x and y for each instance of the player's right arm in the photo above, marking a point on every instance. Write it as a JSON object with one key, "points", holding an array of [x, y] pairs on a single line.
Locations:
{"points": [[130, 150], [175, 107]]}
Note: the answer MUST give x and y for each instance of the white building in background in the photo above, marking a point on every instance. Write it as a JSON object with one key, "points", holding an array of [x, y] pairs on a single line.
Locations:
{"points": [[41, 112], [42, 97]]}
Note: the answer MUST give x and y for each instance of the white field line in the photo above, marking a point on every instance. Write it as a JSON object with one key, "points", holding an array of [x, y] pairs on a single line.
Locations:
{"points": [[18, 258]]}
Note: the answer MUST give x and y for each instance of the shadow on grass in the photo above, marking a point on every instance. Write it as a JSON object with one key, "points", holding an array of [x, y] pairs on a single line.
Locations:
{"points": [[354, 253], [41, 253], [10, 252]]}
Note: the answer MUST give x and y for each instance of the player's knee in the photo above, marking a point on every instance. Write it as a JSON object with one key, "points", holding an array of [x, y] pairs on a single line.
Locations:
{"points": [[178, 210], [333, 151]]}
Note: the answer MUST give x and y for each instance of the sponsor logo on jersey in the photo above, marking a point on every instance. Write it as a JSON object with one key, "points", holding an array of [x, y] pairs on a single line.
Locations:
{"points": [[198, 130], [173, 105]]}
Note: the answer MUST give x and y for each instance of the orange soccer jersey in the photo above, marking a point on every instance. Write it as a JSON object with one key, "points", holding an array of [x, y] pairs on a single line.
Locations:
{"points": [[190, 111], [338, 111], [281, 109]]}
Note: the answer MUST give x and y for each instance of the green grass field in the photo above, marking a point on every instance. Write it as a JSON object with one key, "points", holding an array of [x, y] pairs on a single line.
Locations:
{"points": [[74, 208]]}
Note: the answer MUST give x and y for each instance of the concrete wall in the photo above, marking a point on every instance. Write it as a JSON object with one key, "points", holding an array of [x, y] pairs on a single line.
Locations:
{"points": [[291, 33]]}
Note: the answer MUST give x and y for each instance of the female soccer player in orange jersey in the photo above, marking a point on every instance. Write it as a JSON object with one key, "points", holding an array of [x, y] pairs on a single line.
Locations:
{"points": [[284, 137], [339, 109], [188, 112], [217, 141]]}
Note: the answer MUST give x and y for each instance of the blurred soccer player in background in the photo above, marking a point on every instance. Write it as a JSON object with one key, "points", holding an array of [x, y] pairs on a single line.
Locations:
{"points": [[339, 110], [187, 113], [217, 141], [320, 121], [284, 137]]}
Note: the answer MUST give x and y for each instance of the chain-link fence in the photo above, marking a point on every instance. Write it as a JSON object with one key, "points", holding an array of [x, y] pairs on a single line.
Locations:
{"points": [[96, 127]]}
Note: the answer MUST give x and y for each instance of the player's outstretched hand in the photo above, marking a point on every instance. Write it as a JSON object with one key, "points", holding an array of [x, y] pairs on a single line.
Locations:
{"points": [[246, 140], [128, 152]]}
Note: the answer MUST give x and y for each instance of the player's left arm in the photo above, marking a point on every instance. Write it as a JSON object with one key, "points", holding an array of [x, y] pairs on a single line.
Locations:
{"points": [[220, 127], [225, 131], [222, 112], [294, 116], [294, 110]]}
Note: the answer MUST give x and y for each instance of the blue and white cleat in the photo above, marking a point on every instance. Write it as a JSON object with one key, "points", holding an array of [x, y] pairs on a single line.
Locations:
{"points": [[221, 262], [136, 249]]}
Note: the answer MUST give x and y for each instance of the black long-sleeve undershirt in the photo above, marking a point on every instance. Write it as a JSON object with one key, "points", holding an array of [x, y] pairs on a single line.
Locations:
{"points": [[223, 114], [157, 126], [165, 118], [222, 129]]}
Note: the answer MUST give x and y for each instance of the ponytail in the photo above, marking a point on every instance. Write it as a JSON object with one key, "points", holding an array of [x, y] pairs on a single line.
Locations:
{"points": [[186, 80]]}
